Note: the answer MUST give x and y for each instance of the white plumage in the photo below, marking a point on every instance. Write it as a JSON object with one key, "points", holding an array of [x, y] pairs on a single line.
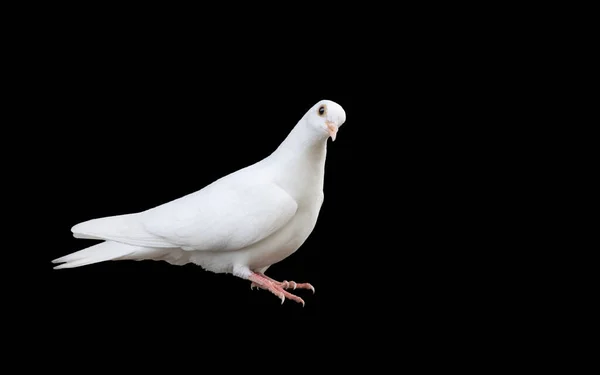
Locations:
{"points": [[241, 223]]}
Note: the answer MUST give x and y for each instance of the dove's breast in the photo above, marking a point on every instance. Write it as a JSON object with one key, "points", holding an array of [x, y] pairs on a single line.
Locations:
{"points": [[272, 249]]}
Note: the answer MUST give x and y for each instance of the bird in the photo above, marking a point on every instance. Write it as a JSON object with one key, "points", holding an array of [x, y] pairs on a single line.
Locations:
{"points": [[240, 224]]}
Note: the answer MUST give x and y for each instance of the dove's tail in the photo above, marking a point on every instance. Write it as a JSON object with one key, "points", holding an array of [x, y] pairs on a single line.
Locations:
{"points": [[101, 252]]}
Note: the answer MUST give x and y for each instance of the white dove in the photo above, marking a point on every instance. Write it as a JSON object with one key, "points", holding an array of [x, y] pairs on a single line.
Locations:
{"points": [[241, 223]]}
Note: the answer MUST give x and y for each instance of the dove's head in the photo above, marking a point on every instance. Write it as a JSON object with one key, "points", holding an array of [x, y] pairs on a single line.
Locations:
{"points": [[326, 117]]}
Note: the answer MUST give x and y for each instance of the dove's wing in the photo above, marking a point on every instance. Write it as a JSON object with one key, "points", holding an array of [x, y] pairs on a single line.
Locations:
{"points": [[223, 218], [219, 217]]}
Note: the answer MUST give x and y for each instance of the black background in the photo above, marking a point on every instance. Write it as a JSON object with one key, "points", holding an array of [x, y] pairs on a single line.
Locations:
{"points": [[138, 144], [132, 132], [129, 120], [135, 128]]}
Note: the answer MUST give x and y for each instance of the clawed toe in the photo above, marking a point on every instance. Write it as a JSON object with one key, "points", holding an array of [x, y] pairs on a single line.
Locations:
{"points": [[293, 297], [294, 285]]}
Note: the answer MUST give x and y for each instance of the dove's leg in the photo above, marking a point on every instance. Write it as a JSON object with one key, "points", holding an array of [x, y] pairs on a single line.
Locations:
{"points": [[286, 284], [264, 283]]}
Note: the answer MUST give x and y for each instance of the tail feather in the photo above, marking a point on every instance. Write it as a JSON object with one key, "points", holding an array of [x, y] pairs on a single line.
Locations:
{"points": [[101, 252], [79, 254], [125, 228]]}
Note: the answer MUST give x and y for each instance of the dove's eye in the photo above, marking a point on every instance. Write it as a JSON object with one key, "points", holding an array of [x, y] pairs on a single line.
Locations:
{"points": [[321, 110]]}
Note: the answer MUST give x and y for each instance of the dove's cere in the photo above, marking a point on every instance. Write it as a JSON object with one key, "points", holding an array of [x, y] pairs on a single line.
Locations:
{"points": [[241, 224]]}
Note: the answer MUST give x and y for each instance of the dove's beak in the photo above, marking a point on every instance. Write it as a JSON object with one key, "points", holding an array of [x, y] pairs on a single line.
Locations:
{"points": [[332, 128]]}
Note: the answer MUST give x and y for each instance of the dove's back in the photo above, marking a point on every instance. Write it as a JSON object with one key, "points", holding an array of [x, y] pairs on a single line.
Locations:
{"points": [[202, 220]]}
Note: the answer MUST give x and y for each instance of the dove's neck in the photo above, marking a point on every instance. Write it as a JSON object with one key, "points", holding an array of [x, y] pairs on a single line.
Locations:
{"points": [[304, 141], [300, 161]]}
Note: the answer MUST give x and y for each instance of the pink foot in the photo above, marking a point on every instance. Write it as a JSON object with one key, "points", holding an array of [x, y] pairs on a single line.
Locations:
{"points": [[261, 281], [285, 284]]}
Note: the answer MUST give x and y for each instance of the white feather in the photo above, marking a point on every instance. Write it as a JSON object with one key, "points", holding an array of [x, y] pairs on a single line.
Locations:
{"points": [[123, 228], [94, 254]]}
